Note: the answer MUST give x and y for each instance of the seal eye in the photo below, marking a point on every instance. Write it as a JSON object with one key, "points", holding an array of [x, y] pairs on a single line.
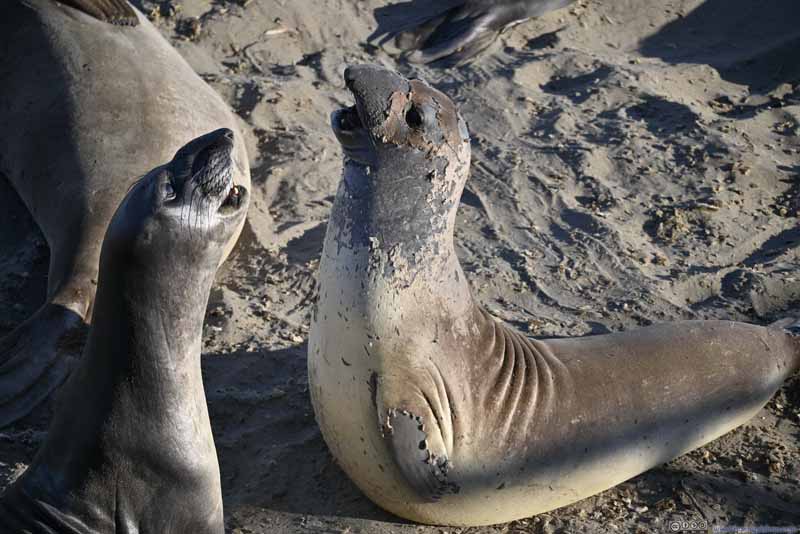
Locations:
{"points": [[168, 190], [413, 117]]}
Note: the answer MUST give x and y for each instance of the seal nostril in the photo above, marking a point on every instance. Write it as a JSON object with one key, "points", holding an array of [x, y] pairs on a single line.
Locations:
{"points": [[413, 117], [228, 134]]}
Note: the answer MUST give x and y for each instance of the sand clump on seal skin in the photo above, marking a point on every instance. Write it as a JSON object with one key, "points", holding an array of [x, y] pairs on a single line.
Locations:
{"points": [[130, 448], [88, 107], [443, 415]]}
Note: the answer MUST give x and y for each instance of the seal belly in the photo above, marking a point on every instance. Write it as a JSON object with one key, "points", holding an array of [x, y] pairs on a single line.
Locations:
{"points": [[343, 373]]}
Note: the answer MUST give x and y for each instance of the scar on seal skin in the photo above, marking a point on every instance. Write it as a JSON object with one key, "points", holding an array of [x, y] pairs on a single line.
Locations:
{"points": [[471, 422]]}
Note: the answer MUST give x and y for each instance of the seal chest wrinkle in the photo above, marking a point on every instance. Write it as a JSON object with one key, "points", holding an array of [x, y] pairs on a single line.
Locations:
{"points": [[130, 448], [91, 98], [442, 414]]}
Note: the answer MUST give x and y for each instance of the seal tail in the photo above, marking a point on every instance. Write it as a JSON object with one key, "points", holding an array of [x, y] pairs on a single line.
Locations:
{"points": [[36, 358]]}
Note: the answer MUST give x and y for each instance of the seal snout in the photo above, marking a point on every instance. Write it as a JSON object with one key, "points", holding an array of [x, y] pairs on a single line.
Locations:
{"points": [[371, 78], [214, 149], [207, 164], [372, 88]]}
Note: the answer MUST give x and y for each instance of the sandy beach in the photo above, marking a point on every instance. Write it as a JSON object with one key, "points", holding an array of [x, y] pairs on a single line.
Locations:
{"points": [[634, 162]]}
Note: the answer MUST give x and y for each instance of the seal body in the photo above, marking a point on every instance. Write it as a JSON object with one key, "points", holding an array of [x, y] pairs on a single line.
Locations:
{"points": [[440, 413], [86, 109], [459, 30], [130, 448]]}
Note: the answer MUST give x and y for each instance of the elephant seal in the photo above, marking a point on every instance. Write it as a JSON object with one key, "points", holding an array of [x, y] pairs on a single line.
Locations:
{"points": [[86, 108], [458, 30], [130, 448], [442, 414]]}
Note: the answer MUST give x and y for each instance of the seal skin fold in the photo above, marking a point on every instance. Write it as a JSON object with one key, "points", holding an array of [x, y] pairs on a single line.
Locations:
{"points": [[442, 414], [130, 448], [87, 109]]}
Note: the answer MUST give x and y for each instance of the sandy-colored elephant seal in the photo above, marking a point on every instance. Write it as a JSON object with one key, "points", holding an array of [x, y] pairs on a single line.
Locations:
{"points": [[130, 448], [86, 108], [442, 414]]}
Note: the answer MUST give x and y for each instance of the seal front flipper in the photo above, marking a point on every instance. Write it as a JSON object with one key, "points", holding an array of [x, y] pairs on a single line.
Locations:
{"points": [[414, 448], [464, 31], [36, 358], [113, 11], [458, 36]]}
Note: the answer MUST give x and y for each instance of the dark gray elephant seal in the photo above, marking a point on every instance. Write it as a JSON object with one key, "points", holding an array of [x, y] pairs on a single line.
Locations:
{"points": [[130, 448], [458, 30], [442, 414], [86, 108]]}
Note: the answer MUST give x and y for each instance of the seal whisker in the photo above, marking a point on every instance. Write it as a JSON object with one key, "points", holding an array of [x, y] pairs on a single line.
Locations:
{"points": [[194, 201]]}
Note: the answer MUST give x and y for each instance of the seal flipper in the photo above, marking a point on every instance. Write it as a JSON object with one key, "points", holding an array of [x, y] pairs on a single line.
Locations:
{"points": [[19, 512], [424, 470], [114, 11], [464, 31], [459, 36], [36, 359], [789, 324]]}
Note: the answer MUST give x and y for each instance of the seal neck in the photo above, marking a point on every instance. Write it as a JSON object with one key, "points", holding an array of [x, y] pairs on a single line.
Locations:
{"points": [[392, 228], [406, 202], [139, 385], [153, 336]]}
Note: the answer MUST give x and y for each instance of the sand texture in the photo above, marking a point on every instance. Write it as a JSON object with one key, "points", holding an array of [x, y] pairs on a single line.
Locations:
{"points": [[634, 161]]}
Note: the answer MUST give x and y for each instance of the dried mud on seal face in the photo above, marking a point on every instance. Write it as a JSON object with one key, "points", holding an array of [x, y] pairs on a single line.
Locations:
{"points": [[633, 162]]}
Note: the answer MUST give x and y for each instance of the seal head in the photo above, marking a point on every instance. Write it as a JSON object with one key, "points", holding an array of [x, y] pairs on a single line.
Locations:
{"points": [[406, 157], [194, 190]]}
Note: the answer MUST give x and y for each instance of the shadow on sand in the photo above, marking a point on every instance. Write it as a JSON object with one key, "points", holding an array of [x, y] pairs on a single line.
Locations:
{"points": [[271, 452], [747, 42]]}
